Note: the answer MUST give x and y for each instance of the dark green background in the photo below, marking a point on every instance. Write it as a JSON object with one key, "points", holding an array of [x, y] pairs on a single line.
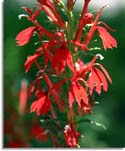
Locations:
{"points": [[110, 111]]}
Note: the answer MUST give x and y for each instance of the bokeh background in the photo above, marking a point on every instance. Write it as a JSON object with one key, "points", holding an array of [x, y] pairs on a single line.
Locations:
{"points": [[20, 130]]}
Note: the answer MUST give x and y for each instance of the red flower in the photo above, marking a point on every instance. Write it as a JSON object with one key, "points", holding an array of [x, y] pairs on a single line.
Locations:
{"points": [[71, 135], [107, 40], [25, 35], [61, 57], [41, 105], [97, 78], [85, 18], [48, 7], [77, 92], [30, 60]]}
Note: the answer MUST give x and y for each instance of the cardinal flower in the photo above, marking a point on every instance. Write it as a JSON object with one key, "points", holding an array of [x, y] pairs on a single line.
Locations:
{"points": [[41, 105], [107, 40], [25, 35], [85, 19], [49, 8], [71, 135], [30, 60], [77, 92], [62, 57], [97, 79], [77, 89]]}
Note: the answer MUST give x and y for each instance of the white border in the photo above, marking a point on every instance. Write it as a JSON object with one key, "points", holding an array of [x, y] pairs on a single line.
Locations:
{"points": [[1, 73]]}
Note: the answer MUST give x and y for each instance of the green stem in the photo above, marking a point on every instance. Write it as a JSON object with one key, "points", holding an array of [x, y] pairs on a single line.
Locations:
{"points": [[70, 29]]}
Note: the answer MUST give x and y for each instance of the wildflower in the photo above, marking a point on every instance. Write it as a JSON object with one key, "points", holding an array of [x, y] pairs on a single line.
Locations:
{"points": [[107, 39], [48, 7], [71, 135], [41, 105], [60, 58], [97, 78], [77, 90], [25, 35], [30, 60], [85, 18]]}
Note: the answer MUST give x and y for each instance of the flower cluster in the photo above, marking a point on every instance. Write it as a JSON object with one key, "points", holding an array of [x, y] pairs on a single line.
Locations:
{"points": [[59, 50]]}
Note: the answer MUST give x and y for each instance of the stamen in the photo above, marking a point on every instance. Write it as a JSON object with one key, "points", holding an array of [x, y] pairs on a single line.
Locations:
{"points": [[22, 15], [77, 66], [100, 56]]}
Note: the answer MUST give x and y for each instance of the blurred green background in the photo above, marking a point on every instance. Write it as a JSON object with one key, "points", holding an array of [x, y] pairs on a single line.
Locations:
{"points": [[110, 111]]}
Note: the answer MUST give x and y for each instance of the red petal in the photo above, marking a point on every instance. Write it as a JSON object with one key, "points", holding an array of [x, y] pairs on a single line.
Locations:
{"points": [[33, 106], [59, 59], [84, 95], [90, 65], [107, 40], [102, 79], [105, 72], [91, 83], [70, 62], [41, 106], [25, 35], [46, 106], [96, 81], [30, 60], [49, 13], [36, 13], [76, 91]]}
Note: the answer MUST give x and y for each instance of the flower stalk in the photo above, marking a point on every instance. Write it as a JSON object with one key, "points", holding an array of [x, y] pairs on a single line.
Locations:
{"points": [[69, 81]]}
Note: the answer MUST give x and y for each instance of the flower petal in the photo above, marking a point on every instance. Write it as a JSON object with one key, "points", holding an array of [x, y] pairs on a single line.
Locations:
{"points": [[30, 60], [102, 79], [105, 72], [25, 35], [107, 40]]}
